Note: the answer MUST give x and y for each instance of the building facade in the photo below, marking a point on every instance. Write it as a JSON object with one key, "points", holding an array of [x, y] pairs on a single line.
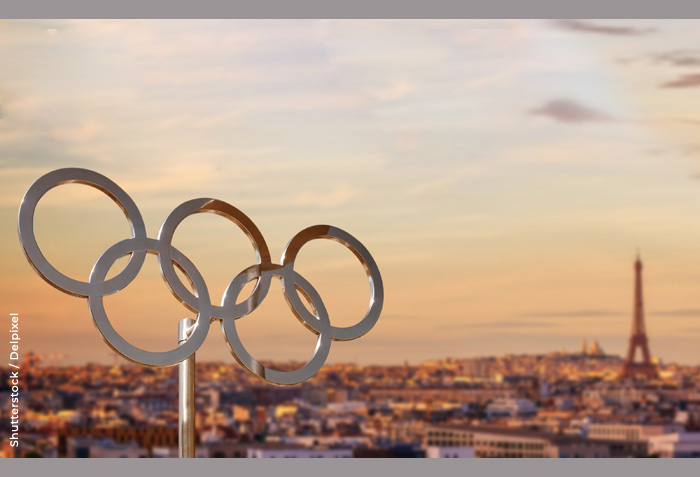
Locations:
{"points": [[512, 442]]}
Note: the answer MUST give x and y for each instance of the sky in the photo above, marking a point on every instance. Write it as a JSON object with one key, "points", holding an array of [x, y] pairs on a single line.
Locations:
{"points": [[503, 174]]}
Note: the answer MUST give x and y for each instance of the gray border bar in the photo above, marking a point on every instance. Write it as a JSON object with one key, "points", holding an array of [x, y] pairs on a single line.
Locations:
{"points": [[354, 467], [345, 9]]}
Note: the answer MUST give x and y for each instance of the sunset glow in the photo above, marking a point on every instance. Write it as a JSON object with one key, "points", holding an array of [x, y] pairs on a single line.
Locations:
{"points": [[502, 173]]}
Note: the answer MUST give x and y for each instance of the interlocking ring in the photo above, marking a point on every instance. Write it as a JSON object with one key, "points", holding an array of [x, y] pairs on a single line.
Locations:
{"points": [[375, 280], [165, 235], [25, 227], [318, 323], [293, 284], [114, 339]]}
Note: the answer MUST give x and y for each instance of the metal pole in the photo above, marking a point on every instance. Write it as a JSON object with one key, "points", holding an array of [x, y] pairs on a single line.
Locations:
{"points": [[186, 439]]}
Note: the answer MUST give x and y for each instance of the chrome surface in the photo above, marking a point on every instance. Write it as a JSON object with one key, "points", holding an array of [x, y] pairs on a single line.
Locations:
{"points": [[318, 323], [294, 286], [115, 340], [376, 286], [25, 227], [167, 230]]}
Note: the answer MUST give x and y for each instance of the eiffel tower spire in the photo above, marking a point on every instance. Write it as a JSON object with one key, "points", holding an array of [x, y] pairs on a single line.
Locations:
{"points": [[638, 337]]}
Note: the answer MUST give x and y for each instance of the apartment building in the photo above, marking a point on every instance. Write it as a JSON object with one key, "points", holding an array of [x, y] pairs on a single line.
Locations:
{"points": [[515, 442]]}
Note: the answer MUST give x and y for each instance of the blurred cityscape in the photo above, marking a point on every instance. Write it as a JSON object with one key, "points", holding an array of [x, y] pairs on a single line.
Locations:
{"points": [[559, 404]]}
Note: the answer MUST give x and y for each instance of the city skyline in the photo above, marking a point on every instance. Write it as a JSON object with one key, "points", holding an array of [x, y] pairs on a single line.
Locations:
{"points": [[575, 402], [501, 172]]}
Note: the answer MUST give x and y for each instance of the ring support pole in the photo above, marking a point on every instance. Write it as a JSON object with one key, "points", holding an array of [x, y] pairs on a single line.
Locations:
{"points": [[186, 441]]}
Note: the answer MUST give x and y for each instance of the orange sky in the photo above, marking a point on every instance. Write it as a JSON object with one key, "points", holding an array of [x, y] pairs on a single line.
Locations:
{"points": [[502, 173]]}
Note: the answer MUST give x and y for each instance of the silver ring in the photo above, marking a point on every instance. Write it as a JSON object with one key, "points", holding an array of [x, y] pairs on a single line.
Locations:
{"points": [[167, 230], [376, 285], [114, 339], [321, 326], [25, 227]]}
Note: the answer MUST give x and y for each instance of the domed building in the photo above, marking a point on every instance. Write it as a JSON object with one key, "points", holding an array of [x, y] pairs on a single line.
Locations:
{"points": [[595, 349]]}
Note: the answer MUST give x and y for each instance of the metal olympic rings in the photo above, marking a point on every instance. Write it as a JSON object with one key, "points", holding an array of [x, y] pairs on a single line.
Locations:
{"points": [[138, 245]]}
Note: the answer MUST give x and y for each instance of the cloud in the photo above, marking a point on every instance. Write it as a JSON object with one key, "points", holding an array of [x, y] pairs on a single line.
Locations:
{"points": [[683, 151], [685, 81], [590, 27], [678, 58], [692, 329], [572, 314], [682, 313], [569, 111], [509, 324], [82, 132], [394, 91], [433, 185], [688, 121], [338, 196]]}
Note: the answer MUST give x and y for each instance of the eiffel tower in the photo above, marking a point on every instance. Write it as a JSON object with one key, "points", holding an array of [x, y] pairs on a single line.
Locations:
{"points": [[638, 338]]}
